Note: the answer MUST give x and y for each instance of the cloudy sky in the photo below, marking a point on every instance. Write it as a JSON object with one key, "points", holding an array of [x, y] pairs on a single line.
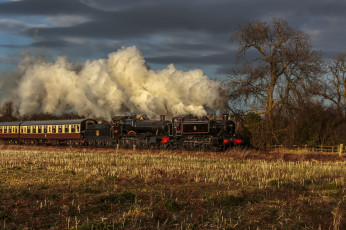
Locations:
{"points": [[191, 34]]}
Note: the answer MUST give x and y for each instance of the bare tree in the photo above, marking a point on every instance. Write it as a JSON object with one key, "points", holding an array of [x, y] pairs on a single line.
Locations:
{"points": [[281, 55], [335, 88]]}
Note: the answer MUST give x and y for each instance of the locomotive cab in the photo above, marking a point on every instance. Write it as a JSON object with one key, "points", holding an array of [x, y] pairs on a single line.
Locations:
{"points": [[188, 125]]}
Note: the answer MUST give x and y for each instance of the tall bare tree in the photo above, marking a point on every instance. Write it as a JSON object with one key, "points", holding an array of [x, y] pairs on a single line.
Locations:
{"points": [[335, 88], [281, 57]]}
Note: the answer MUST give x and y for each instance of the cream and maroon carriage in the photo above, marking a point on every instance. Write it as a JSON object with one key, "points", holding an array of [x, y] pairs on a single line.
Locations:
{"points": [[9, 131], [45, 132], [54, 132]]}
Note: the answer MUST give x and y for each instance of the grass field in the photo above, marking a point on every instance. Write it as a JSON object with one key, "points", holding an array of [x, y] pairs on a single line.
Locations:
{"points": [[82, 188]]}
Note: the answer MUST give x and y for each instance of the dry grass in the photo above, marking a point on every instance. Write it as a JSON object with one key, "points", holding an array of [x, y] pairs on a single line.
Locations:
{"points": [[81, 188]]}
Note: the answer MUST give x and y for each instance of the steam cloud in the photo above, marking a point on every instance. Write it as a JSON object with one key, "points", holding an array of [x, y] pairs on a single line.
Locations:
{"points": [[122, 83]]}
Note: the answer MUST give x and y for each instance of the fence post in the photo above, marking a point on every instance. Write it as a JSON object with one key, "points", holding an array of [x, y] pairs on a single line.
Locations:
{"points": [[341, 148]]}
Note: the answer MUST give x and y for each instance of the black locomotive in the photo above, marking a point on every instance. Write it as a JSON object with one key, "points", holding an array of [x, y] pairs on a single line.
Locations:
{"points": [[186, 132]]}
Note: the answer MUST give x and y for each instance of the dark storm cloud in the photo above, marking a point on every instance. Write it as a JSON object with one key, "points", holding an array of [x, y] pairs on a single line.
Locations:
{"points": [[183, 32], [215, 59], [46, 7], [149, 20]]}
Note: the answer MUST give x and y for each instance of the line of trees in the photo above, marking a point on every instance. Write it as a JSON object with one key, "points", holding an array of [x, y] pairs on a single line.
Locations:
{"points": [[293, 95]]}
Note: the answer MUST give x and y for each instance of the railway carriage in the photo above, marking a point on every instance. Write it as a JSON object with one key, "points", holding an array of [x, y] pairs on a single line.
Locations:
{"points": [[54, 132], [9, 131]]}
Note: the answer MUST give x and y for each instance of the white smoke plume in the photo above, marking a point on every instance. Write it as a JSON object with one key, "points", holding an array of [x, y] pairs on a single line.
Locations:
{"points": [[122, 83]]}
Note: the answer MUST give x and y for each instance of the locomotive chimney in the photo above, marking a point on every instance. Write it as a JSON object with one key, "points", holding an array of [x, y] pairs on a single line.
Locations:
{"points": [[162, 117], [225, 117]]}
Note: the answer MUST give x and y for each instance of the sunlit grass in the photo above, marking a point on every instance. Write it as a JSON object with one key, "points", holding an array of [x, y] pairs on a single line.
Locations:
{"points": [[106, 188]]}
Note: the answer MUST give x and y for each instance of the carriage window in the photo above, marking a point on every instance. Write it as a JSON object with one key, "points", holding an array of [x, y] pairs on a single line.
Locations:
{"points": [[66, 129], [34, 129], [45, 129], [49, 129], [39, 129], [0, 129], [73, 129], [78, 128], [9, 129], [60, 128]]}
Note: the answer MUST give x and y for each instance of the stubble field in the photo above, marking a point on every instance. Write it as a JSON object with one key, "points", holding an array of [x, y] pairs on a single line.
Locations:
{"points": [[83, 188]]}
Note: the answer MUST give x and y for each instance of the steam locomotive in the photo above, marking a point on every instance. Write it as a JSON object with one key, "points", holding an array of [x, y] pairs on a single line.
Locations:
{"points": [[187, 132]]}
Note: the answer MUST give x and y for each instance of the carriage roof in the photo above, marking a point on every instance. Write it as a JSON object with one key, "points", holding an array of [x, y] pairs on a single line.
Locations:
{"points": [[48, 122], [58, 122], [14, 123]]}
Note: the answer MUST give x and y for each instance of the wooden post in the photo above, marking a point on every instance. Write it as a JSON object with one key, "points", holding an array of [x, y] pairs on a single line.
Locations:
{"points": [[341, 148], [117, 146], [134, 147]]}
